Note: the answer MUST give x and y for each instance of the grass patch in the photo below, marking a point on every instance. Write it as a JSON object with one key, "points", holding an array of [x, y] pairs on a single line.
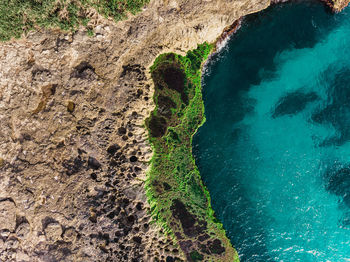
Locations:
{"points": [[179, 200], [20, 16]]}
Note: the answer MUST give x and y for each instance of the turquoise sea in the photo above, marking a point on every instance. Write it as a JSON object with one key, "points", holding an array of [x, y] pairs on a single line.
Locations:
{"points": [[275, 149]]}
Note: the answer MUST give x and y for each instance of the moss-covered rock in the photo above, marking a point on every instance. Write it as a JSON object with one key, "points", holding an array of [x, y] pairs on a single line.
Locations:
{"points": [[178, 198]]}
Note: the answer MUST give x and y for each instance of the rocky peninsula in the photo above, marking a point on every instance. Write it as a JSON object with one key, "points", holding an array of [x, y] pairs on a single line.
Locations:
{"points": [[76, 136]]}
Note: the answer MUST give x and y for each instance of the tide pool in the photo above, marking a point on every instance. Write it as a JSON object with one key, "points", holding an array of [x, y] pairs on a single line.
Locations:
{"points": [[275, 149]]}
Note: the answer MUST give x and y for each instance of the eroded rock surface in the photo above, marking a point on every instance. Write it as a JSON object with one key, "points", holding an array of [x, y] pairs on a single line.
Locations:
{"points": [[73, 147]]}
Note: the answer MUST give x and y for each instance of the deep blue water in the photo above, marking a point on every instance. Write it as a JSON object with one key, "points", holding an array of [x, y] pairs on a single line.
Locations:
{"points": [[275, 149]]}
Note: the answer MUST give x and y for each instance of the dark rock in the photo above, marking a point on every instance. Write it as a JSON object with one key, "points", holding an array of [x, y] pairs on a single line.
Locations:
{"points": [[65, 251], [93, 163], [126, 230], [113, 163], [158, 126], [203, 237], [121, 130], [187, 219], [84, 71], [47, 221], [186, 245], [73, 166], [125, 202], [136, 70], [93, 217], [174, 77], [105, 236], [139, 93], [118, 234], [111, 215], [26, 136], [22, 220], [81, 151], [131, 219], [39, 73], [215, 247], [118, 155], [113, 149], [137, 240], [74, 92], [133, 159], [103, 248], [139, 206], [169, 259]]}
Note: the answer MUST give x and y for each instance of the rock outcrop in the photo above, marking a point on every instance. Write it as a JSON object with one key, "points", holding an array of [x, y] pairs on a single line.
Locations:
{"points": [[337, 5], [73, 147]]}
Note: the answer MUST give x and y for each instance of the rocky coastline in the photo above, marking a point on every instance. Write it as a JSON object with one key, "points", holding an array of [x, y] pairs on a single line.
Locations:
{"points": [[74, 149]]}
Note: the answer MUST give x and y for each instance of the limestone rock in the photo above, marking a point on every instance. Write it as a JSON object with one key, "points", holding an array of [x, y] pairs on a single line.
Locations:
{"points": [[8, 215]]}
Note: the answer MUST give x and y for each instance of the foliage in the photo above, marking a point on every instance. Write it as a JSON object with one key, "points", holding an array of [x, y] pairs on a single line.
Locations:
{"points": [[172, 163], [173, 151], [20, 16], [172, 160], [196, 256], [117, 8]]}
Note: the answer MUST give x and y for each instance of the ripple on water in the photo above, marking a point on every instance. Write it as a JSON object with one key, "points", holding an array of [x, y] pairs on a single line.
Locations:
{"points": [[275, 150]]}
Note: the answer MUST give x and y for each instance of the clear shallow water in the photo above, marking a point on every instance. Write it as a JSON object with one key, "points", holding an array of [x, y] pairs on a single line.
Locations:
{"points": [[275, 149]]}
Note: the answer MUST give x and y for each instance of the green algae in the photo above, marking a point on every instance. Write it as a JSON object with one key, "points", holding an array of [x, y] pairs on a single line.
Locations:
{"points": [[179, 201]]}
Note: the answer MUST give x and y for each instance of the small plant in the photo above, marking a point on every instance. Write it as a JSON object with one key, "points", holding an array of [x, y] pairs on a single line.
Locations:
{"points": [[17, 17], [90, 32]]}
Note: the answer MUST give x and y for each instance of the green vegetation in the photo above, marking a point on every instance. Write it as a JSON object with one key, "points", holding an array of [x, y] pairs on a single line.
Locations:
{"points": [[196, 256], [20, 16], [178, 198]]}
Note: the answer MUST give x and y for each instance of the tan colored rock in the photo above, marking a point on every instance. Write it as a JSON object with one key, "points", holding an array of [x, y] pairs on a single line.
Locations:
{"points": [[338, 5], [53, 232], [8, 215]]}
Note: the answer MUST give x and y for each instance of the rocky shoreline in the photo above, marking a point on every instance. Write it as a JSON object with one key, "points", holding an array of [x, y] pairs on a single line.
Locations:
{"points": [[74, 150]]}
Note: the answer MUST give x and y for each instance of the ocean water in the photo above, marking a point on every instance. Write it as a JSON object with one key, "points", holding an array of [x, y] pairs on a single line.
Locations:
{"points": [[275, 149]]}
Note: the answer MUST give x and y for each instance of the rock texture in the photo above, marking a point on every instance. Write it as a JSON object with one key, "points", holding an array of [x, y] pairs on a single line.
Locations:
{"points": [[73, 147], [337, 5]]}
